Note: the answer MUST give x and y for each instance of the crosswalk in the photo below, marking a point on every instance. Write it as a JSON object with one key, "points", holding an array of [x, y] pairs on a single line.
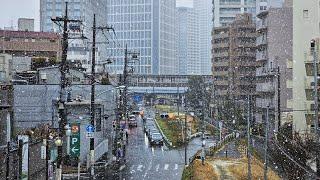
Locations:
{"points": [[154, 168]]}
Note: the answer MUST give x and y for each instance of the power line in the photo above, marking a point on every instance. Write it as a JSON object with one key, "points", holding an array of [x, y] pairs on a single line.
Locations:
{"points": [[298, 164]]}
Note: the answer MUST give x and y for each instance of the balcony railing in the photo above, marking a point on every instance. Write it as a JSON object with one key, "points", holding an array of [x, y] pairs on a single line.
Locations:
{"points": [[261, 56], [266, 87], [264, 103]]}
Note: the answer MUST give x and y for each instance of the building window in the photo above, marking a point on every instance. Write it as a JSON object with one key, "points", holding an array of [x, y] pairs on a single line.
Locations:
{"points": [[305, 13]]}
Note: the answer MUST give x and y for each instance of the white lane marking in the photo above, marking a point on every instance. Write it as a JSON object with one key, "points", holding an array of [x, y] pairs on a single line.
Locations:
{"points": [[122, 167], [157, 167], [166, 166], [140, 168], [145, 174], [132, 170], [152, 149], [175, 166]]}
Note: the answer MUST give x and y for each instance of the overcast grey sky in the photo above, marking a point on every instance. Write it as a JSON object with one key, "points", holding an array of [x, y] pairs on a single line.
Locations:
{"points": [[11, 10]]}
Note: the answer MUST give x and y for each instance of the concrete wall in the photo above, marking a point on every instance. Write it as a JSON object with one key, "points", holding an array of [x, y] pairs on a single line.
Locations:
{"points": [[34, 105], [305, 27], [280, 53]]}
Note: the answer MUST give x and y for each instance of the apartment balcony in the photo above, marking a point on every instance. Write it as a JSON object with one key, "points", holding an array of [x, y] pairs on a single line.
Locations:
{"points": [[264, 103], [221, 64], [221, 54], [249, 54], [221, 35], [266, 87], [261, 26], [261, 40], [246, 45], [246, 35], [221, 83], [220, 45], [220, 92], [261, 71], [261, 56], [220, 73]]}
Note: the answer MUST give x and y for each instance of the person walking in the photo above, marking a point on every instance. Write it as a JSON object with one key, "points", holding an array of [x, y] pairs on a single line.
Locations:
{"points": [[127, 135]]}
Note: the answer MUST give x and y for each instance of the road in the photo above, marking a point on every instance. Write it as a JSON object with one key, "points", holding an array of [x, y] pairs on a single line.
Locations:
{"points": [[146, 162]]}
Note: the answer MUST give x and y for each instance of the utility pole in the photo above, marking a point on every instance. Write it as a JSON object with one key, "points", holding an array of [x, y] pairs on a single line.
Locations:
{"points": [[93, 81], [266, 146], [185, 138], [185, 130], [316, 104], [92, 109], [8, 146], [249, 137], [125, 76], [6, 107], [279, 99], [202, 123], [63, 84]]}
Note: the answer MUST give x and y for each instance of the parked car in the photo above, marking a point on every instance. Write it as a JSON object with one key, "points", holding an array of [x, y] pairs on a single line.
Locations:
{"points": [[156, 139], [132, 121], [151, 131], [147, 125]]}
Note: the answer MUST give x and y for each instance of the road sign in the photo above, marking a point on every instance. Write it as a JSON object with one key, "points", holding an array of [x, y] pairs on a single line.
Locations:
{"points": [[74, 129], [43, 152], [89, 135], [75, 141], [90, 128], [137, 98]]}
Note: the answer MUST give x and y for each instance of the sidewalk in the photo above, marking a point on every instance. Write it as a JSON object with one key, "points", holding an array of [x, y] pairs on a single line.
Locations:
{"points": [[228, 151]]}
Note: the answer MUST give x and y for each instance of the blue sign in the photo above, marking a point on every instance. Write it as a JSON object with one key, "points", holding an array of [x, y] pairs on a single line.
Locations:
{"points": [[137, 98], [90, 128]]}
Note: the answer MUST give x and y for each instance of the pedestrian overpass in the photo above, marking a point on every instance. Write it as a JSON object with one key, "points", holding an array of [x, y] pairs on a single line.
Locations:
{"points": [[158, 90]]}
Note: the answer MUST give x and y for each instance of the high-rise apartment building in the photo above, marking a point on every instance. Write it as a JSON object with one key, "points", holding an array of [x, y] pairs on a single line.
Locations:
{"points": [[306, 15], [264, 5], [147, 27], [203, 8], [188, 50], [234, 59], [225, 11], [274, 74]]}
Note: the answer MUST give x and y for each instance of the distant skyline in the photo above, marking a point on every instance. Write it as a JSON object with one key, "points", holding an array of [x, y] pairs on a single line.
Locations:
{"points": [[11, 10]]}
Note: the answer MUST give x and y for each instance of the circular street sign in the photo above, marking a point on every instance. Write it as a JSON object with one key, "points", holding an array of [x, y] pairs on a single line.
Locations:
{"points": [[74, 129]]}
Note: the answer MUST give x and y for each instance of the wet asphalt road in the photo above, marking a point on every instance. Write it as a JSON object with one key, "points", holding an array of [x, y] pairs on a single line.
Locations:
{"points": [[153, 162]]}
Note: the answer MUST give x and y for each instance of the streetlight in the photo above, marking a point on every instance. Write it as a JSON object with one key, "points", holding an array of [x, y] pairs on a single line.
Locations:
{"points": [[67, 128]]}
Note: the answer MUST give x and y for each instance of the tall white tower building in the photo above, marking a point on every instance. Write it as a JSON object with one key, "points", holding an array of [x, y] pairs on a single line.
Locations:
{"points": [[188, 50], [79, 50], [147, 27], [203, 8]]}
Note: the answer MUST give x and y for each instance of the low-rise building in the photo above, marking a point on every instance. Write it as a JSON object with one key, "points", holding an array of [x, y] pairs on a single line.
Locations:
{"points": [[52, 75], [44, 48], [5, 68]]}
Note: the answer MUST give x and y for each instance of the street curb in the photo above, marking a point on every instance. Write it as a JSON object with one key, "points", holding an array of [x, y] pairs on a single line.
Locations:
{"points": [[168, 142]]}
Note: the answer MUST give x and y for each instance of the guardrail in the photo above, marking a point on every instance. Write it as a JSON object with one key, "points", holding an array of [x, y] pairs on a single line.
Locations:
{"points": [[216, 147], [167, 141]]}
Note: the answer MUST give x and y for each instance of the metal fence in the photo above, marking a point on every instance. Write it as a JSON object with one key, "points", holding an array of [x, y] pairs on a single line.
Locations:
{"points": [[36, 168]]}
